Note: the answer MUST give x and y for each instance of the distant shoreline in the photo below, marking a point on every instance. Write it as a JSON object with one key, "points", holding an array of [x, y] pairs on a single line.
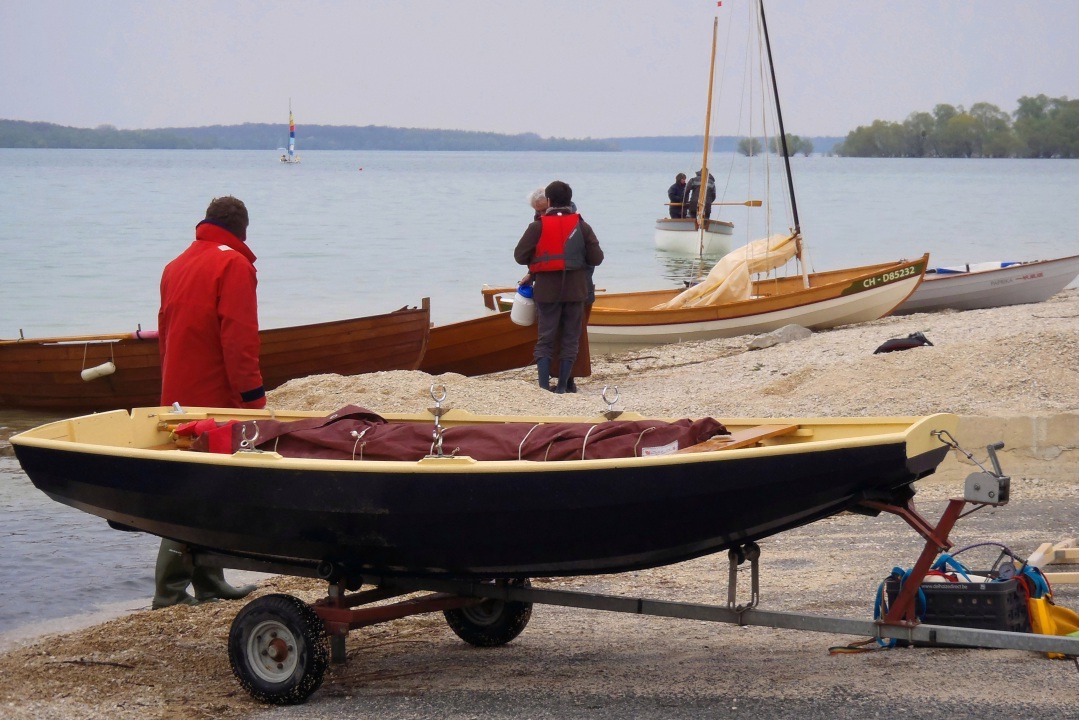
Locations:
{"points": [[266, 136]]}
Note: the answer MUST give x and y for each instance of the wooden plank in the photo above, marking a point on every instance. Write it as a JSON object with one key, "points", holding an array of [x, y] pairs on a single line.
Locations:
{"points": [[1040, 557], [1066, 555], [742, 438], [1048, 553], [1062, 578], [1063, 552]]}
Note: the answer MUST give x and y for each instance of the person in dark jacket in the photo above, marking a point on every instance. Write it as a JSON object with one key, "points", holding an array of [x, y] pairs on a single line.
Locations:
{"points": [[676, 194], [537, 199], [559, 249], [693, 191], [209, 344]]}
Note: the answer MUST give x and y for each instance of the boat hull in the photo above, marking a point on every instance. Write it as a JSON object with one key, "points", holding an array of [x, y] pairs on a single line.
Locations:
{"points": [[621, 322], [454, 517], [488, 344], [46, 375], [1017, 284], [680, 235]]}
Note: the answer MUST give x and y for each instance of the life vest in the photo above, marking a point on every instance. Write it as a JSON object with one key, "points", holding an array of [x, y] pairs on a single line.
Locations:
{"points": [[552, 253]]}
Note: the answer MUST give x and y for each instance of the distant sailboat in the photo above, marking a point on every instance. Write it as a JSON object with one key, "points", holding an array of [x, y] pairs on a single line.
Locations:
{"points": [[696, 233], [292, 157]]}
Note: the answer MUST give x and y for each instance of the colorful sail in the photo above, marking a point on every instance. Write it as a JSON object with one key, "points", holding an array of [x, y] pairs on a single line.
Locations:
{"points": [[291, 135], [291, 156]]}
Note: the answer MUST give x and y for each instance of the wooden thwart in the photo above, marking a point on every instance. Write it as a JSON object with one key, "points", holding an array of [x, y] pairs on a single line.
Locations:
{"points": [[742, 438]]}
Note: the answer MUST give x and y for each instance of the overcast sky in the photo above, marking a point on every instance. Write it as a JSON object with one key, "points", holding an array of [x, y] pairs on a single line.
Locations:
{"points": [[559, 68]]}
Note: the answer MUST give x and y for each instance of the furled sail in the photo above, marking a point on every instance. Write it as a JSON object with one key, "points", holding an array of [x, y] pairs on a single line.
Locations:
{"points": [[729, 280]]}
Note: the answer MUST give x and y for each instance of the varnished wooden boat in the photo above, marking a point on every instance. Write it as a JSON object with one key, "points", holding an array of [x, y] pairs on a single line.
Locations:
{"points": [[991, 284], [626, 321], [650, 491], [46, 373], [487, 344]]}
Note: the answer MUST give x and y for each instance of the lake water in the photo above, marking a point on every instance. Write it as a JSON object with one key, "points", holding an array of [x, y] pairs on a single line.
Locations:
{"points": [[84, 235]]}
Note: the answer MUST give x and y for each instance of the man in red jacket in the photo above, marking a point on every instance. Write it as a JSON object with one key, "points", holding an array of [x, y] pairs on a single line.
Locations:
{"points": [[208, 321], [209, 340]]}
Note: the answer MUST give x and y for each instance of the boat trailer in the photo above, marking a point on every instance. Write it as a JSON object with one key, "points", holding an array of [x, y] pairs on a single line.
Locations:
{"points": [[277, 645]]}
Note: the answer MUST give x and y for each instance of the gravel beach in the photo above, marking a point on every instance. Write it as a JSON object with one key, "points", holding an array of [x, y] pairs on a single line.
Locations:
{"points": [[1012, 374]]}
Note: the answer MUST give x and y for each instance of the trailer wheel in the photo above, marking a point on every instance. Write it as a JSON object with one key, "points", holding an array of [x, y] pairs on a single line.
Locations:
{"points": [[277, 649], [492, 622]]}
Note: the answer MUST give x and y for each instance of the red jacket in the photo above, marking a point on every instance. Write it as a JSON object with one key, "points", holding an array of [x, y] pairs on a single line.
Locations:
{"points": [[208, 324]]}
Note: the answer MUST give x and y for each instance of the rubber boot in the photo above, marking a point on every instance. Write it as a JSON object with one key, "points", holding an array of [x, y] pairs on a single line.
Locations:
{"points": [[209, 584], [172, 575], [565, 367], [543, 369], [571, 387]]}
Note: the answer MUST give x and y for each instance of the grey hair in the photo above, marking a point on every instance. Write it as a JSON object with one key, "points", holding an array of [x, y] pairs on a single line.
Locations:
{"points": [[536, 197]]}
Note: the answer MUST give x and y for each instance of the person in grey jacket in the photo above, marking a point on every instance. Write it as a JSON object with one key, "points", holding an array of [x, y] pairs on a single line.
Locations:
{"points": [[560, 249]]}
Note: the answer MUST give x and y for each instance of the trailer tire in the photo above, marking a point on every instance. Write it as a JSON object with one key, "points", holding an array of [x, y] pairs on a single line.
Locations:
{"points": [[492, 622], [277, 649]]}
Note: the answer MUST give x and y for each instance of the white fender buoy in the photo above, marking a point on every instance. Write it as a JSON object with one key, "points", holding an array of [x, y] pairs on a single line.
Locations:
{"points": [[97, 371]]}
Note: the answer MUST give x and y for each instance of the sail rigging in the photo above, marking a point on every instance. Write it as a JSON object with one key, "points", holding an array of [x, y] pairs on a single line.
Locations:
{"points": [[779, 117]]}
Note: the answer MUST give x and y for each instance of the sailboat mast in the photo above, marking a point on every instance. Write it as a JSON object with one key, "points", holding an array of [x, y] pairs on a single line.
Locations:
{"points": [[779, 115], [702, 190]]}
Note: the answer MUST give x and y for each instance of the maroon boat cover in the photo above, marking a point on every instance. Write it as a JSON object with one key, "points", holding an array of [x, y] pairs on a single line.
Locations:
{"points": [[354, 433]]}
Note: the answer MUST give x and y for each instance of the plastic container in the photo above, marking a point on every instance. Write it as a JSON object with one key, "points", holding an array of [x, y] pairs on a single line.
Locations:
{"points": [[999, 605], [523, 311]]}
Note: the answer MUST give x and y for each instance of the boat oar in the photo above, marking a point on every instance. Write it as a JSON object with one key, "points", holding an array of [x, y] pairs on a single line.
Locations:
{"points": [[138, 335], [747, 203]]}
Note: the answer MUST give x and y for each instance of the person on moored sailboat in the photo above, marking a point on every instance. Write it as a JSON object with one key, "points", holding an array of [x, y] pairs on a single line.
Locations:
{"points": [[676, 195], [693, 192]]}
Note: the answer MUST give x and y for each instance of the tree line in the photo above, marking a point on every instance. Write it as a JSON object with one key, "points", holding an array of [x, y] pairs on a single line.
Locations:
{"points": [[264, 136], [796, 145], [1040, 127]]}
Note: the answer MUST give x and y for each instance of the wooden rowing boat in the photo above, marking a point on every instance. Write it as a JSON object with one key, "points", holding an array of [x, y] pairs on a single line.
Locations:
{"points": [[472, 496], [627, 321], [487, 344], [46, 373]]}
